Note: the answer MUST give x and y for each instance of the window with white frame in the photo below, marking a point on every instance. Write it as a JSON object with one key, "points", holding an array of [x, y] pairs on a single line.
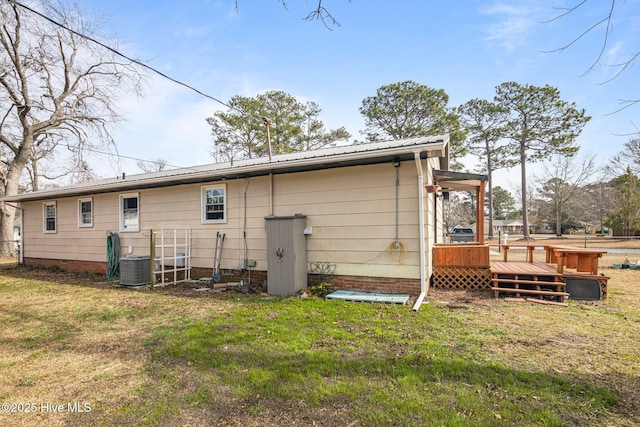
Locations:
{"points": [[50, 217], [214, 206], [85, 212], [129, 212]]}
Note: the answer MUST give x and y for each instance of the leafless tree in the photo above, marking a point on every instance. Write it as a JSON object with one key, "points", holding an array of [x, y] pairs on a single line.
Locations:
{"points": [[153, 165], [629, 157], [58, 91], [459, 210], [606, 23], [560, 181]]}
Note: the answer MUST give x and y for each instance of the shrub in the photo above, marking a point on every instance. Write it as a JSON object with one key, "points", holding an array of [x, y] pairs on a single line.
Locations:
{"points": [[321, 289]]}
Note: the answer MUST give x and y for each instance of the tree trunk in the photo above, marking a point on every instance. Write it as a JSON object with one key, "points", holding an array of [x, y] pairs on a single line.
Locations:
{"points": [[490, 181], [7, 216], [34, 178], [490, 195], [7, 212], [558, 221], [525, 207]]}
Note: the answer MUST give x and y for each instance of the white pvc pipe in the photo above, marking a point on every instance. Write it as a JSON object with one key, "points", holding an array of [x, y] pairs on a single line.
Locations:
{"points": [[423, 261], [271, 194]]}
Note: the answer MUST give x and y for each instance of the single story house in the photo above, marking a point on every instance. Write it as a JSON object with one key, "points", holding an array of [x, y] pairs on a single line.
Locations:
{"points": [[369, 211], [511, 226]]}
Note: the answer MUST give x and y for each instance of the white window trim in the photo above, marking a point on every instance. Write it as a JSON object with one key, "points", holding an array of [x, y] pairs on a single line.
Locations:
{"points": [[80, 202], [121, 213], [203, 210], [44, 218]]}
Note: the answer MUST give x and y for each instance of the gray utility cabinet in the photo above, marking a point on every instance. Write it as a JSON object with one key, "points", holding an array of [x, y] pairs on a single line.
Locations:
{"points": [[286, 254]]}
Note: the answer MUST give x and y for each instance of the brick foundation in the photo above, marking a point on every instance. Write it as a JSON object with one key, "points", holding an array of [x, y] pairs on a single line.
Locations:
{"points": [[390, 285], [258, 277], [68, 265]]}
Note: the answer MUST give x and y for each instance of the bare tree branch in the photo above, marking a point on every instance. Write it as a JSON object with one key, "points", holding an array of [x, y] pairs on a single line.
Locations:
{"points": [[321, 13], [620, 67], [567, 11], [607, 19]]}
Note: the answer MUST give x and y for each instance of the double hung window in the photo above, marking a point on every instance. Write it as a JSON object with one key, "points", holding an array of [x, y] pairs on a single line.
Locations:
{"points": [[214, 206]]}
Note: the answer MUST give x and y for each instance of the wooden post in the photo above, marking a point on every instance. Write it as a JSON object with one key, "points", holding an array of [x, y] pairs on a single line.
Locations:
{"points": [[152, 256], [561, 260], [530, 249], [480, 212], [506, 249]]}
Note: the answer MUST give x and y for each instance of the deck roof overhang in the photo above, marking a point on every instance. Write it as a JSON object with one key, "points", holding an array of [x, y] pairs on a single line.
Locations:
{"points": [[335, 157], [462, 181], [451, 180]]}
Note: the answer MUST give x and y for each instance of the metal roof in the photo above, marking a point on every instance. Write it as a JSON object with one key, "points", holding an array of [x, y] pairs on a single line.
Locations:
{"points": [[452, 180], [327, 158]]}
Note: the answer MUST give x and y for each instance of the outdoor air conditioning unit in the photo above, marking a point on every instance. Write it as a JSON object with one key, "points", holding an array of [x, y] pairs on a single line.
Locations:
{"points": [[134, 270]]}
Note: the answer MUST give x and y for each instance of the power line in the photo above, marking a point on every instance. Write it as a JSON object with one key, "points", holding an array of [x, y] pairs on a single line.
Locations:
{"points": [[128, 58], [121, 156], [139, 63]]}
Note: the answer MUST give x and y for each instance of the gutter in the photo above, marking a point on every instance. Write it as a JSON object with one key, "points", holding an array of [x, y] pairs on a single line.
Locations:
{"points": [[423, 261]]}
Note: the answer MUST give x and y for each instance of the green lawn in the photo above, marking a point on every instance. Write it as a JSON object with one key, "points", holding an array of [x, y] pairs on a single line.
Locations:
{"points": [[169, 358]]}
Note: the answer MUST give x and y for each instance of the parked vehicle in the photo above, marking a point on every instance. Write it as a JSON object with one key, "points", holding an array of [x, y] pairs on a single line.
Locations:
{"points": [[462, 235]]}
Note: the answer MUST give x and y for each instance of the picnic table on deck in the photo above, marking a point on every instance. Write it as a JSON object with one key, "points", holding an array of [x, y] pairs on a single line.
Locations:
{"points": [[583, 260]]}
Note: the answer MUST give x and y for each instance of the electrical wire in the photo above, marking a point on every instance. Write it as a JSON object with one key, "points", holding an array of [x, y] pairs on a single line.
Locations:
{"points": [[121, 156], [397, 252]]}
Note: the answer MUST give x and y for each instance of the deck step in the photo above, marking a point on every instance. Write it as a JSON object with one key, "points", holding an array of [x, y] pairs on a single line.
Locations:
{"points": [[526, 282], [531, 291]]}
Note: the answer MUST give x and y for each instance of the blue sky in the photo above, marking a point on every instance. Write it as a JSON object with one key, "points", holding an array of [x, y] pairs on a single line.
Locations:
{"points": [[464, 47]]}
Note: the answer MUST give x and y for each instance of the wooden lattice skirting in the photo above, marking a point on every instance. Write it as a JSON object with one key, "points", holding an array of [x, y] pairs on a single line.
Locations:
{"points": [[476, 278]]}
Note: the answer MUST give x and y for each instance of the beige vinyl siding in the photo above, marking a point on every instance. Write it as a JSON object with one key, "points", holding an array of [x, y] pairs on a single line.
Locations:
{"points": [[352, 212], [352, 215]]}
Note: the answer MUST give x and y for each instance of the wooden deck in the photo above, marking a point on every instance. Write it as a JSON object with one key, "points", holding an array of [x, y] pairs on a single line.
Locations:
{"points": [[522, 278], [524, 267], [468, 266], [564, 261]]}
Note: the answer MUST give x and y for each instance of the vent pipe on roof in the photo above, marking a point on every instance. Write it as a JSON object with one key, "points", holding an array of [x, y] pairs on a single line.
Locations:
{"points": [[266, 123]]}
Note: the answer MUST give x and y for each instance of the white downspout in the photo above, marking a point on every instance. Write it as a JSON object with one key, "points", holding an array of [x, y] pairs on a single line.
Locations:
{"points": [[271, 194], [423, 261]]}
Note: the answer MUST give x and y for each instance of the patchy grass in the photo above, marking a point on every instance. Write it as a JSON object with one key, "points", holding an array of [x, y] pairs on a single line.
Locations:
{"points": [[165, 357]]}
